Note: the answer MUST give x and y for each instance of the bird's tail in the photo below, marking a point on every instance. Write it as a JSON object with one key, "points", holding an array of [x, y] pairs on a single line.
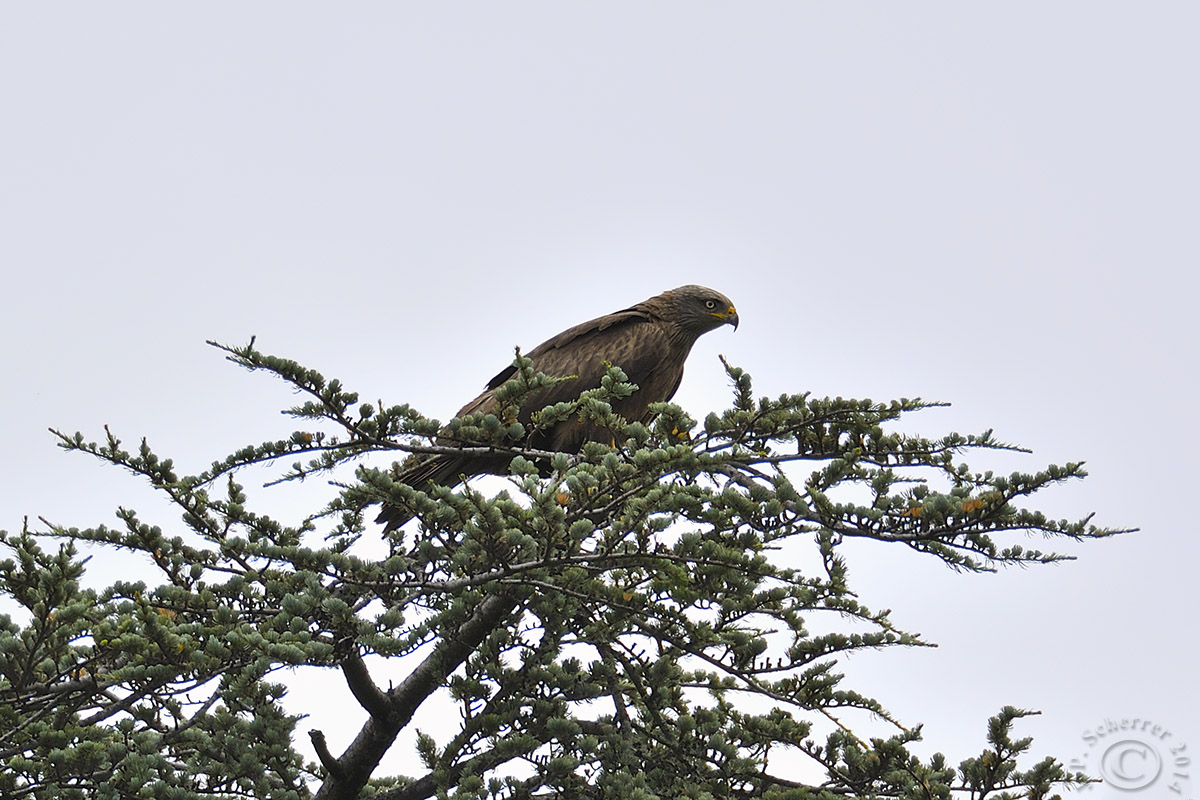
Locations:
{"points": [[443, 470], [392, 517]]}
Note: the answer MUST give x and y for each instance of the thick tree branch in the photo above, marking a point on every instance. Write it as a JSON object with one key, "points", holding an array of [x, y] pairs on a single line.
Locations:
{"points": [[364, 754], [327, 759], [369, 696]]}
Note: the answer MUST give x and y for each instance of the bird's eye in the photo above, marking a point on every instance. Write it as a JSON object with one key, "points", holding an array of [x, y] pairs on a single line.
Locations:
{"points": [[710, 303]]}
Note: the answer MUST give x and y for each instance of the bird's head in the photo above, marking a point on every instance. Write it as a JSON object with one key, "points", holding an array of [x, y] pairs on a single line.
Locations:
{"points": [[700, 309]]}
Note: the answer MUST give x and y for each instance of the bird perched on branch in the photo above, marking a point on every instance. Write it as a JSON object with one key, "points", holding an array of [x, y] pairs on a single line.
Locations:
{"points": [[650, 341]]}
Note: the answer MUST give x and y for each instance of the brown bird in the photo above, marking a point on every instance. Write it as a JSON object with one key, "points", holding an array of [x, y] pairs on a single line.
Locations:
{"points": [[649, 341]]}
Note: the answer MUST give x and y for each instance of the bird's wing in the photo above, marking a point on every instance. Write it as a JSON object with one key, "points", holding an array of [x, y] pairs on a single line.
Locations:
{"points": [[562, 348], [633, 340]]}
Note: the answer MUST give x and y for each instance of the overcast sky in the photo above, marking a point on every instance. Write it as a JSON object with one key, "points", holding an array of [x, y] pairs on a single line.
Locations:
{"points": [[993, 205]]}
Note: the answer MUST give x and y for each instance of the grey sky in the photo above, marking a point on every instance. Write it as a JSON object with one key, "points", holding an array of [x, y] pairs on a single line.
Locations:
{"points": [[990, 205]]}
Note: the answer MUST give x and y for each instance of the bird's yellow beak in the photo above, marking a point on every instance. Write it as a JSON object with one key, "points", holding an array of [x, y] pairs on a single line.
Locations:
{"points": [[728, 316]]}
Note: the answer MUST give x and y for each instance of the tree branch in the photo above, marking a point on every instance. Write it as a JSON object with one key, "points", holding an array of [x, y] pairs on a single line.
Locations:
{"points": [[364, 754], [368, 695]]}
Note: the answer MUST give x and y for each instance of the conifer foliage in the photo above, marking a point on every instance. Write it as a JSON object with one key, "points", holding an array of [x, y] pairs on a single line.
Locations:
{"points": [[618, 623]]}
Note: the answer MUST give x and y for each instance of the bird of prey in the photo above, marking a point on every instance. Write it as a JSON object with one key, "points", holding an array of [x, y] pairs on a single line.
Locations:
{"points": [[649, 341]]}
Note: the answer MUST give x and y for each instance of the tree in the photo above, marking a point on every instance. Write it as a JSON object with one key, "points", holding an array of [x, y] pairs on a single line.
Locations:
{"points": [[600, 624]]}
